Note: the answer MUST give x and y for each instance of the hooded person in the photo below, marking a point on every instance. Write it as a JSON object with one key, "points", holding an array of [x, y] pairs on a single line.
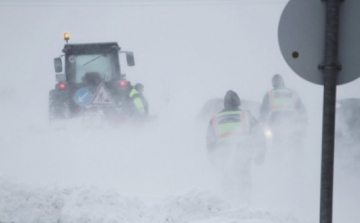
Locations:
{"points": [[232, 125], [280, 101], [234, 139], [282, 109]]}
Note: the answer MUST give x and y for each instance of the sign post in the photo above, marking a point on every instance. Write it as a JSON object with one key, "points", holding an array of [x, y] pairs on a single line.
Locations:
{"points": [[319, 40], [331, 69]]}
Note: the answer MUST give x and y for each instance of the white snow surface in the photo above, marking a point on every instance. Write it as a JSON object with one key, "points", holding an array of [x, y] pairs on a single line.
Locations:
{"points": [[27, 203], [185, 55], [98, 176]]}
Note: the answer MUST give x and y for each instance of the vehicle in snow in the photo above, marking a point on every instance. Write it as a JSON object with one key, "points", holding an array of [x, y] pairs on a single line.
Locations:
{"points": [[90, 82], [348, 121], [347, 131]]}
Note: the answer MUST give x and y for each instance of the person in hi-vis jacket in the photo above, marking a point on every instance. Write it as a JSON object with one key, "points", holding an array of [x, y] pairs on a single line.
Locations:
{"points": [[234, 139], [283, 113]]}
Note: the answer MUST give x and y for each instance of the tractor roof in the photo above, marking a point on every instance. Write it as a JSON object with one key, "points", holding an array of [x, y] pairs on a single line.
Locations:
{"points": [[90, 47]]}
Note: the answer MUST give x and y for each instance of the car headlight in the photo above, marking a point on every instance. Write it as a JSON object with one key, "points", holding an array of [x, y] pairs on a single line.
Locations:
{"points": [[268, 134]]}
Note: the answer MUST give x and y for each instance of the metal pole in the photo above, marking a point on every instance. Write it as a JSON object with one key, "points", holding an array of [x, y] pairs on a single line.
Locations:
{"points": [[331, 69]]}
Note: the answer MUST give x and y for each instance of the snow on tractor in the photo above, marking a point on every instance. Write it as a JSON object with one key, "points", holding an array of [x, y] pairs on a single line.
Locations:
{"points": [[90, 82]]}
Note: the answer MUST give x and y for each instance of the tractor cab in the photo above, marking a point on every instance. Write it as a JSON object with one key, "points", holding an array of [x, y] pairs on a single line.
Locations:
{"points": [[91, 63]]}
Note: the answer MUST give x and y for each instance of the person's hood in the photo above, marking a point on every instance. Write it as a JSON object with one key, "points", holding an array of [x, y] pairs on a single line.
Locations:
{"points": [[277, 81], [231, 100]]}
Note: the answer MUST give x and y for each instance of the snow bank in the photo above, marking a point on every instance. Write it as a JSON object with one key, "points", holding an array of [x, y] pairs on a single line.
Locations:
{"points": [[22, 203]]}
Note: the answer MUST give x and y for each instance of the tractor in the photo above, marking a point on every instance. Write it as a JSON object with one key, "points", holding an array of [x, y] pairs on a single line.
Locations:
{"points": [[89, 81]]}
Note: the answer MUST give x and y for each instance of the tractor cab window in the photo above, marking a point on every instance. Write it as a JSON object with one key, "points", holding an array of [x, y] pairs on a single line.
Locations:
{"points": [[82, 65]]}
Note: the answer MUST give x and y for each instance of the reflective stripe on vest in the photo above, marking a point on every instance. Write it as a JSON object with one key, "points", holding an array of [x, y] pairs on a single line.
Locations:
{"points": [[133, 93], [231, 123], [282, 99], [137, 101]]}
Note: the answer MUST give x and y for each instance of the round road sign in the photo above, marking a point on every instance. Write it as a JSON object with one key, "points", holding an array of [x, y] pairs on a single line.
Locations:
{"points": [[83, 97], [301, 36]]}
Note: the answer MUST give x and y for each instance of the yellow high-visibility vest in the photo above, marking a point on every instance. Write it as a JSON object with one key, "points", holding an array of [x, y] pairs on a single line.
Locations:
{"points": [[137, 101], [282, 99], [231, 123]]}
